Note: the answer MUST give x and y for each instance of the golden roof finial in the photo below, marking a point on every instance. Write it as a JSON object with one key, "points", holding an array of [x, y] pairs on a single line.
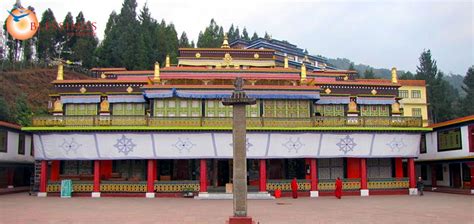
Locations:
{"points": [[225, 43], [156, 74], [285, 65], [394, 75], [167, 62], [60, 71], [303, 72]]}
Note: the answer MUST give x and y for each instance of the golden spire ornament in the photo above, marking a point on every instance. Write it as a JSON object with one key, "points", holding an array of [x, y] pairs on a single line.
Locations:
{"points": [[225, 43], [156, 74], [60, 71]]}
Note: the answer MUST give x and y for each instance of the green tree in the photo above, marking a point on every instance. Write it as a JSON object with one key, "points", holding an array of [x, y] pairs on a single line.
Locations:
{"points": [[4, 110], [67, 32], [212, 36], [267, 36], [254, 36], [23, 111], [468, 87], [48, 36], [236, 35], [406, 76], [245, 34], [351, 67], [369, 74], [183, 41]]}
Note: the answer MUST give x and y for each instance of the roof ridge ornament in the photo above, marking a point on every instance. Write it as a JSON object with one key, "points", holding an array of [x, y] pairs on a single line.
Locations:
{"points": [[394, 75], [60, 71], [156, 74], [225, 43]]}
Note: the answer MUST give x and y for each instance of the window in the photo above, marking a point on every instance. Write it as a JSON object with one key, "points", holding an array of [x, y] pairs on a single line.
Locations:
{"points": [[330, 110], [403, 93], [423, 144], [21, 144], [129, 108], [449, 140], [3, 140], [175, 107], [416, 94], [416, 112], [286, 108], [81, 109], [374, 110]]}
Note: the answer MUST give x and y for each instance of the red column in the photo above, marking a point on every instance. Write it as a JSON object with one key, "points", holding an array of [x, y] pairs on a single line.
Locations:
{"points": [[433, 176], [353, 168], [363, 173], [96, 175], [398, 168], [106, 169], [411, 172], [471, 169], [44, 176], [203, 176], [314, 175], [150, 178], [263, 175], [54, 176]]}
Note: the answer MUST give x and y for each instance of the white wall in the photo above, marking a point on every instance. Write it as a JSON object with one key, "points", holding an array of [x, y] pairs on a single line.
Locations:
{"points": [[432, 147], [12, 155]]}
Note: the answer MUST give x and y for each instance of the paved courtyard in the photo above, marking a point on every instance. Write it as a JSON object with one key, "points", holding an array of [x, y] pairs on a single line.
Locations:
{"points": [[431, 208]]}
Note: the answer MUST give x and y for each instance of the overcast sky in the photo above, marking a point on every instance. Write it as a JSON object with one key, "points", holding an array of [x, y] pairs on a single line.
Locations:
{"points": [[378, 33]]}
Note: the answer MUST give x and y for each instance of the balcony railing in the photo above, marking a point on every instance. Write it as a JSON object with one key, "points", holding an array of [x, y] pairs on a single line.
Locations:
{"points": [[88, 121]]}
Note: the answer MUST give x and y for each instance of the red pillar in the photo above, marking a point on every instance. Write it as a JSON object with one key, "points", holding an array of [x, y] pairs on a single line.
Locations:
{"points": [[471, 169], [314, 175], [44, 176], [203, 176], [55, 165], [353, 168], [434, 182], [150, 178], [105, 169], [263, 175], [96, 175], [411, 172], [363, 174], [398, 168]]}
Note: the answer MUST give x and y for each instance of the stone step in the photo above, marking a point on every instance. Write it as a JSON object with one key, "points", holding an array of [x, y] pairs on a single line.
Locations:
{"points": [[227, 196]]}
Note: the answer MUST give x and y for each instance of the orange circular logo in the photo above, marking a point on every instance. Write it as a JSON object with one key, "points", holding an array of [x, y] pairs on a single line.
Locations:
{"points": [[22, 23]]}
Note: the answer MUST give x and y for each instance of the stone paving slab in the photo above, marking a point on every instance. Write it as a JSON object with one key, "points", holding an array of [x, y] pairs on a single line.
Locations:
{"points": [[431, 208]]}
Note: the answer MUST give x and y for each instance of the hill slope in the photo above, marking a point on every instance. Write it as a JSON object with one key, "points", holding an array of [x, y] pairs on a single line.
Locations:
{"points": [[34, 83]]}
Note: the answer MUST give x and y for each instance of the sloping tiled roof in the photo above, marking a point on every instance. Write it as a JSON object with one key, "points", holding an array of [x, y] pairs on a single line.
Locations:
{"points": [[10, 125], [453, 122], [412, 82]]}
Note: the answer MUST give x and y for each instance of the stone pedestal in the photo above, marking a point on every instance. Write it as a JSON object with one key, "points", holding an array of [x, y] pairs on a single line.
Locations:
{"points": [[364, 192], [150, 195], [240, 220], [314, 194], [412, 191], [42, 194], [95, 194]]}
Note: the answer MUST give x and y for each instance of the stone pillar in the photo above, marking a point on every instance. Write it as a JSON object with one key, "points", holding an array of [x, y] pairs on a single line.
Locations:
{"points": [[43, 179], [364, 191], [434, 182], [314, 178], [263, 175], [203, 177], [150, 185], [411, 176], [96, 192], [238, 101], [240, 161], [398, 168]]}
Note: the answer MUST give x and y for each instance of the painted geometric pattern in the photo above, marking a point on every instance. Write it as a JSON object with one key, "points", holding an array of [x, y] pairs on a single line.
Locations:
{"points": [[140, 187], [346, 185], [176, 187], [76, 187], [286, 186], [388, 184]]}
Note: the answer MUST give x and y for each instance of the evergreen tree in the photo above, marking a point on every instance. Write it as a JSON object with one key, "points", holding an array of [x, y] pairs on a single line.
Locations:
{"points": [[4, 110], [254, 36], [351, 67], [149, 30], [245, 35], [369, 74], [67, 32], [231, 33], [23, 112], [212, 36], [107, 51], [48, 36], [236, 35], [406, 76], [183, 41], [267, 36], [84, 42], [468, 87], [192, 44], [28, 49]]}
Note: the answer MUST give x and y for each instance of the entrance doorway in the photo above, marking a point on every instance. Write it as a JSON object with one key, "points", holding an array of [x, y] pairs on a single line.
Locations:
{"points": [[455, 174], [224, 168]]}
